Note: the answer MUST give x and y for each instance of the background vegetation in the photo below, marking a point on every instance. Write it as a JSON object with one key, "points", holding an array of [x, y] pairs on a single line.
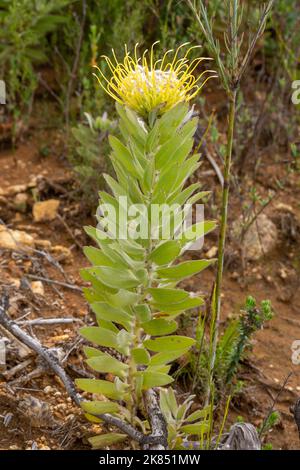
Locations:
{"points": [[47, 50]]}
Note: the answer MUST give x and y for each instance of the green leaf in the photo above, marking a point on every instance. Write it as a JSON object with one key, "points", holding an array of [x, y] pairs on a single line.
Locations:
{"points": [[100, 442], [102, 387], [123, 155], [103, 337], [92, 419], [184, 270], [166, 357], [195, 429], [97, 257], [197, 231], [99, 407], [108, 325], [168, 404], [199, 414], [123, 298], [154, 379], [143, 313], [107, 364], [181, 197], [105, 311], [92, 352], [140, 356], [101, 289], [116, 278], [165, 252], [187, 304], [167, 296], [169, 343], [160, 327]]}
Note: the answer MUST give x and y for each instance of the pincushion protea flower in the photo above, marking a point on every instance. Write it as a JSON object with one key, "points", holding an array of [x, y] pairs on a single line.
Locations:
{"points": [[145, 85]]}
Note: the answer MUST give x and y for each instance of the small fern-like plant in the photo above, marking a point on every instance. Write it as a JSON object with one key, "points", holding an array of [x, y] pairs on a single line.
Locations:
{"points": [[134, 276]]}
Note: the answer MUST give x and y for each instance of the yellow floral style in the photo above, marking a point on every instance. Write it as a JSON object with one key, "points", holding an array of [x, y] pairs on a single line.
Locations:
{"points": [[145, 85]]}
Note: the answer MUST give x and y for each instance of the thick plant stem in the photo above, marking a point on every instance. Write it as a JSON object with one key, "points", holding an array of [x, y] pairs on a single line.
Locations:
{"points": [[216, 302]]}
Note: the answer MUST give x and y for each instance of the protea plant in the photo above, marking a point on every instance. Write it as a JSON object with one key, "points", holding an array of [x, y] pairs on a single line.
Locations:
{"points": [[134, 275]]}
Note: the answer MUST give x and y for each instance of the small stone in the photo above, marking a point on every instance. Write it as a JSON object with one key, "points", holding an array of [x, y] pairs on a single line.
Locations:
{"points": [[43, 243], [260, 239], [212, 252], [15, 282], [57, 394], [281, 207], [62, 251], [45, 211], [48, 389], [13, 239], [37, 288], [42, 447], [60, 338], [15, 189], [20, 202], [14, 447], [282, 273]]}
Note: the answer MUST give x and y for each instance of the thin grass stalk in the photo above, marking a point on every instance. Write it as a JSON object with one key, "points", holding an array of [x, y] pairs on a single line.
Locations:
{"points": [[216, 310]]}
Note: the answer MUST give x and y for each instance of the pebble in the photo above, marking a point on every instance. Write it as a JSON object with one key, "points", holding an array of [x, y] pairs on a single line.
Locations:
{"points": [[48, 389], [37, 287], [45, 211], [212, 252]]}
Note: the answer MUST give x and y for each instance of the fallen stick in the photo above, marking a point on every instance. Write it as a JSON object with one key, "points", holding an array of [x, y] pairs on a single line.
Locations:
{"points": [[146, 441], [52, 281], [14, 370], [47, 321]]}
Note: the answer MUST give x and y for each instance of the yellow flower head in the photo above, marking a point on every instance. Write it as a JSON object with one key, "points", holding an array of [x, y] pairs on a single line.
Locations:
{"points": [[145, 85]]}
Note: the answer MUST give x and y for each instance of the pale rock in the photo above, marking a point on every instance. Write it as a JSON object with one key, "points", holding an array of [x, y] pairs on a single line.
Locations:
{"points": [[212, 252], [16, 282], [46, 244], [260, 239], [14, 239], [14, 189], [48, 389], [282, 207], [45, 211], [20, 202], [62, 251], [37, 288]]}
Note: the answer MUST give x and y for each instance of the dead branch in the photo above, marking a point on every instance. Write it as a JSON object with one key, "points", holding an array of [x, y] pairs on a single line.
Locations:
{"points": [[52, 281], [157, 421], [48, 321]]}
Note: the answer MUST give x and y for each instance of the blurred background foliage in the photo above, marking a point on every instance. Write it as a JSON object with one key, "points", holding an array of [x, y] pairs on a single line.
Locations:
{"points": [[47, 48]]}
